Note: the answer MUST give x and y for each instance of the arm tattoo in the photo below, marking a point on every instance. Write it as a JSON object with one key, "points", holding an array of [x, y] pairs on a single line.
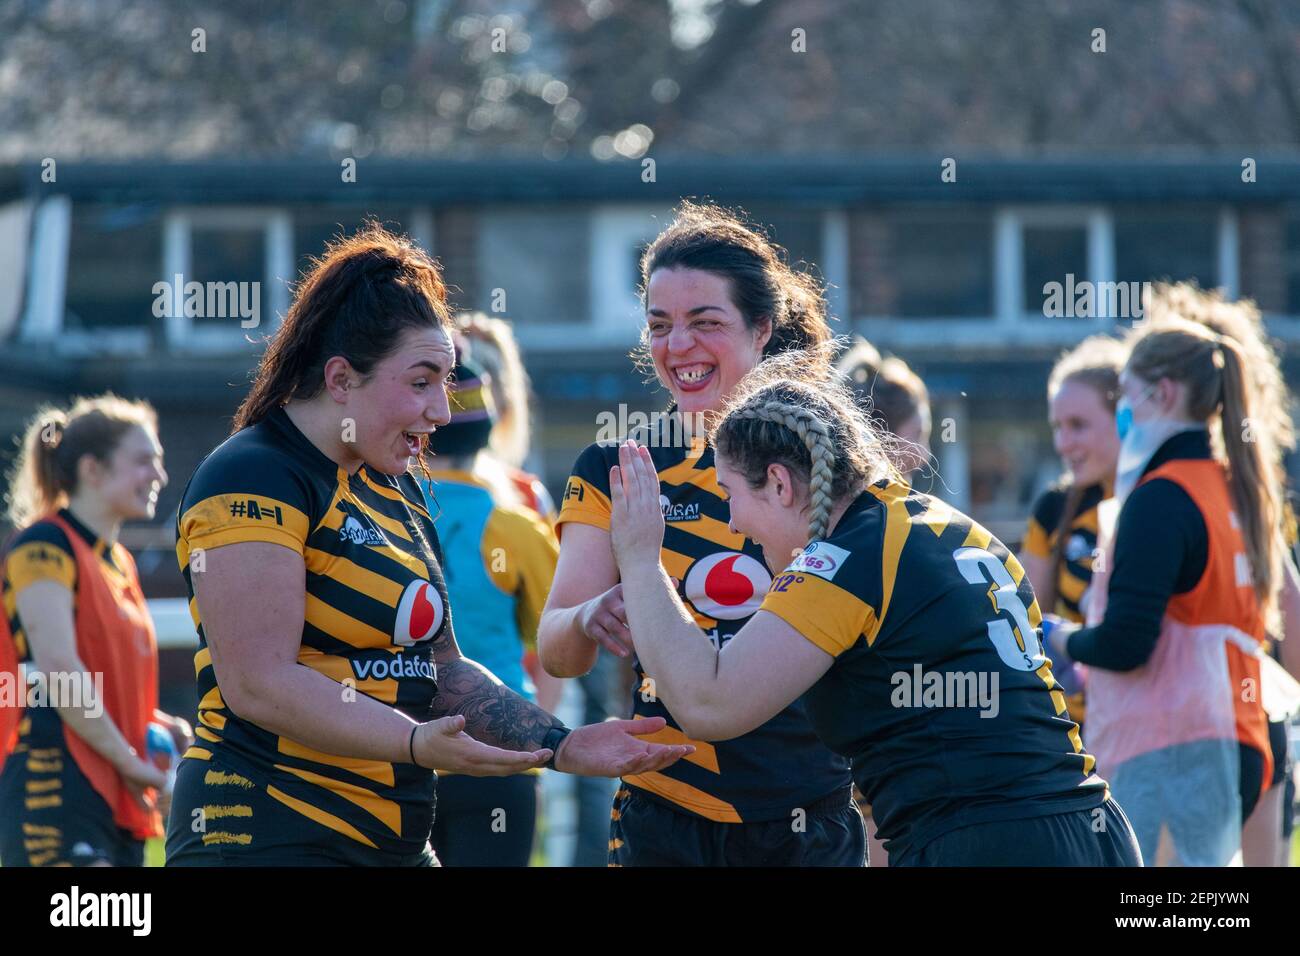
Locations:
{"points": [[493, 712]]}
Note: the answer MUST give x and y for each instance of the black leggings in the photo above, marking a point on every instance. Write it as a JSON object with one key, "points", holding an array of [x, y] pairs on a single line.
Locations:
{"points": [[485, 821]]}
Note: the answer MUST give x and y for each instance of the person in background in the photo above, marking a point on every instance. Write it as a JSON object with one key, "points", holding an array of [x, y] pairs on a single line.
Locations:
{"points": [[1184, 597], [896, 399], [78, 788], [499, 561], [1061, 538], [1266, 839]]}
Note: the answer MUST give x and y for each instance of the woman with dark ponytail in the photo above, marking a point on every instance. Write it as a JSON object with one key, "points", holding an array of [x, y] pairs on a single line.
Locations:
{"points": [[329, 677], [1185, 595], [719, 300], [909, 631]]}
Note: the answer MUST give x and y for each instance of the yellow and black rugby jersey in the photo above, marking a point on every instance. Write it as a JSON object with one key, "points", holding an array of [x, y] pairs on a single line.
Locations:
{"points": [[1076, 568], [42, 552], [940, 693], [774, 768], [376, 600]]}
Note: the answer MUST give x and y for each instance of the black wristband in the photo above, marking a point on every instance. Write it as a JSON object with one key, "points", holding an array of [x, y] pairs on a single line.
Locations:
{"points": [[552, 740], [411, 745]]}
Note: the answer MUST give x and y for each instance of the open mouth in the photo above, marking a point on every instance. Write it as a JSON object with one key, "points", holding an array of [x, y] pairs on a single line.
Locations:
{"points": [[693, 377], [414, 442]]}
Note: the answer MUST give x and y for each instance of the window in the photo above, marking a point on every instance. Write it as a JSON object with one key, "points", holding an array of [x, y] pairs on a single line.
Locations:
{"points": [[114, 259], [538, 259], [1155, 243], [940, 263], [1051, 254]]}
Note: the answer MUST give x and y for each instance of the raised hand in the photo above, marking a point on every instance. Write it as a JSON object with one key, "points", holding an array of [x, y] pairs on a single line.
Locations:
{"points": [[636, 518]]}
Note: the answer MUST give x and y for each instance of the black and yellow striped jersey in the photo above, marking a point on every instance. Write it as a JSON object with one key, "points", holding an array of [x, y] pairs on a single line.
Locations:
{"points": [[376, 601], [939, 693], [779, 766], [1076, 567], [42, 552]]}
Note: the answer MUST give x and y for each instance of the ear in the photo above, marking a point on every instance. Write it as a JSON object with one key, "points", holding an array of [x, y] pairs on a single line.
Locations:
{"points": [[339, 377], [781, 483], [1169, 397], [762, 332], [90, 471]]}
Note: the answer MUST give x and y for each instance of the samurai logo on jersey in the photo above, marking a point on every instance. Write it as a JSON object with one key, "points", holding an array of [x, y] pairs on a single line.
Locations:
{"points": [[679, 512], [395, 669], [419, 614], [726, 585], [354, 531], [821, 559]]}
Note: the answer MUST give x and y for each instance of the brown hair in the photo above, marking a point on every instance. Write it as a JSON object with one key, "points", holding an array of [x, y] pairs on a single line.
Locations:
{"points": [[1095, 362], [56, 439], [1214, 371], [763, 285], [886, 388], [813, 427], [1240, 320], [355, 302], [491, 343]]}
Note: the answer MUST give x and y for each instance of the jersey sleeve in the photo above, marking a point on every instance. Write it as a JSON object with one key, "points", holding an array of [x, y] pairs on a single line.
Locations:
{"points": [[586, 493], [247, 494], [41, 552], [520, 553], [1043, 519], [827, 594]]}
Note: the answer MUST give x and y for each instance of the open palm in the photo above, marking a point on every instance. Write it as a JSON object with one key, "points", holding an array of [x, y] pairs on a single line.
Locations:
{"points": [[611, 749]]}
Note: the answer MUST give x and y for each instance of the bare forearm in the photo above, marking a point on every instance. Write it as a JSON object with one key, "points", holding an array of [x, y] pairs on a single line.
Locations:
{"points": [[314, 710], [674, 652], [493, 712], [562, 648]]}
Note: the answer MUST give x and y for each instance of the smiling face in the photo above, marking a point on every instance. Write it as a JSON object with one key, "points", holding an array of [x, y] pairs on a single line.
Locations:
{"points": [[129, 481], [1083, 432], [700, 343], [402, 400], [775, 521]]}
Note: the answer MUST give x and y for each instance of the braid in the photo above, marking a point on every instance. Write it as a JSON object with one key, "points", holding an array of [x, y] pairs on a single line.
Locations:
{"points": [[812, 431]]}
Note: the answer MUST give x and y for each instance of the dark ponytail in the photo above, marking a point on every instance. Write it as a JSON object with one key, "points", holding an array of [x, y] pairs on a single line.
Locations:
{"points": [[357, 300]]}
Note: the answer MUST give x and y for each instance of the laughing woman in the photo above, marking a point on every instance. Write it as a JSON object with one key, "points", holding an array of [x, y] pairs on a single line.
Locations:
{"points": [[330, 680], [891, 595]]}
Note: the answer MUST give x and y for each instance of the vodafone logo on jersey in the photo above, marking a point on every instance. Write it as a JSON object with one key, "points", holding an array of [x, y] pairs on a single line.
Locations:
{"points": [[727, 585], [419, 614]]}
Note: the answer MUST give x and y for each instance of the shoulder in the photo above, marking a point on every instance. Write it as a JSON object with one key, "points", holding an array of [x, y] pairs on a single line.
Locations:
{"points": [[43, 532], [1049, 506], [250, 462], [252, 489], [41, 551]]}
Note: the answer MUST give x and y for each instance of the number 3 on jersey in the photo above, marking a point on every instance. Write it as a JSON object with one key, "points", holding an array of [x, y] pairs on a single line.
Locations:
{"points": [[1018, 646]]}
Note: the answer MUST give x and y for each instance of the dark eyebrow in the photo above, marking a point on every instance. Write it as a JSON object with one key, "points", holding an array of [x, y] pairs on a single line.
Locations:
{"points": [[424, 363], [660, 313]]}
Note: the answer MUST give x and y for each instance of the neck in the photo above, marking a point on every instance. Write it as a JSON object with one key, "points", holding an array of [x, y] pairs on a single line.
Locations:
{"points": [[837, 512], [323, 426], [96, 516]]}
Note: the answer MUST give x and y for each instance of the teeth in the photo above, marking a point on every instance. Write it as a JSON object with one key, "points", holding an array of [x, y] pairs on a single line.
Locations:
{"points": [[695, 374]]}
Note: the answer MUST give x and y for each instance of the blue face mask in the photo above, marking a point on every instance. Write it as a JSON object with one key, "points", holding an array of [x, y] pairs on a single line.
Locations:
{"points": [[1124, 413]]}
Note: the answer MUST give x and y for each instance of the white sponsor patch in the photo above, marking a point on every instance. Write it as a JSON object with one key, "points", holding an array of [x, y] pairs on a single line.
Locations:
{"points": [[821, 559]]}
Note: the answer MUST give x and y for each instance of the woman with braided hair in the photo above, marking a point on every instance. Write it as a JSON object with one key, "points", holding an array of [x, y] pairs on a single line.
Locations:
{"points": [[909, 630], [719, 299]]}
